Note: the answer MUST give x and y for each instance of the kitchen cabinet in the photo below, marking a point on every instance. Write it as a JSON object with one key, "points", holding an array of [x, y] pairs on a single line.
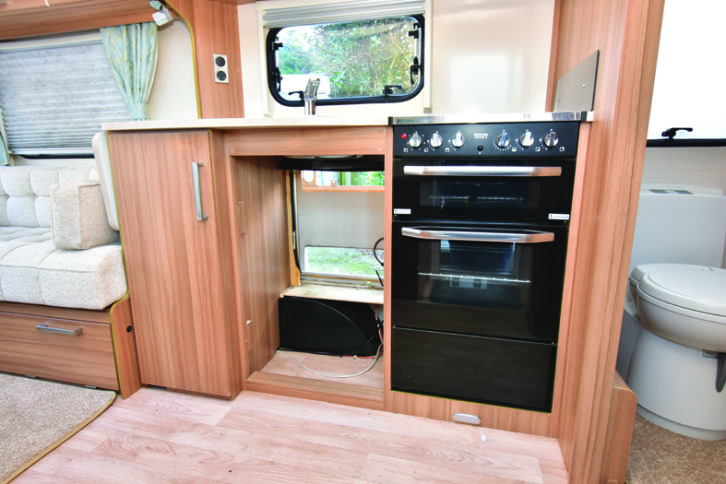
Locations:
{"points": [[174, 234]]}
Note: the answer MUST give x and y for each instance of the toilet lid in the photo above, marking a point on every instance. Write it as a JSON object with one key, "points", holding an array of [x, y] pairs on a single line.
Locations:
{"points": [[698, 288]]}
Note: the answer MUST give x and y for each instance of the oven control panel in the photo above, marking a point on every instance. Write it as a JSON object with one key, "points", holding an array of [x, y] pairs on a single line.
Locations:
{"points": [[544, 139]]}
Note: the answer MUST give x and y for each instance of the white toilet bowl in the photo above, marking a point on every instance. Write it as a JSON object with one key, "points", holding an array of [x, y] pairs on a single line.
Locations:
{"points": [[682, 311], [683, 303]]}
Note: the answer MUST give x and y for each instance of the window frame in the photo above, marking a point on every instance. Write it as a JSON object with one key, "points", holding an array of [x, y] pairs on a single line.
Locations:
{"points": [[274, 77]]}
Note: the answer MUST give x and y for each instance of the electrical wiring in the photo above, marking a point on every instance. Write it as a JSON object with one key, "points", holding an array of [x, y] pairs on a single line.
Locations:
{"points": [[365, 370]]}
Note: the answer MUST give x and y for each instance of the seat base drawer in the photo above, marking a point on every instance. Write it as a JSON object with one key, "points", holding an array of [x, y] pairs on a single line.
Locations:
{"points": [[30, 346]]}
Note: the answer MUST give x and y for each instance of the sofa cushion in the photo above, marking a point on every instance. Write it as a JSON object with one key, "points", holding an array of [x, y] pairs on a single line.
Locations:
{"points": [[34, 271], [25, 192], [78, 216]]}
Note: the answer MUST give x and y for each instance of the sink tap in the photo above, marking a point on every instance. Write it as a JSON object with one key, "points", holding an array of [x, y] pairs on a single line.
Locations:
{"points": [[310, 95]]}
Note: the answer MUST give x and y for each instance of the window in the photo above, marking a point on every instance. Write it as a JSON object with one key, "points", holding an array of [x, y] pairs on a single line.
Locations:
{"points": [[55, 93], [339, 228], [342, 180], [365, 51]]}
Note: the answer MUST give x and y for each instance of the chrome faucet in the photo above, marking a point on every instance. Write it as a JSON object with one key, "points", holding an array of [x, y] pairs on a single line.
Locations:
{"points": [[310, 95]]}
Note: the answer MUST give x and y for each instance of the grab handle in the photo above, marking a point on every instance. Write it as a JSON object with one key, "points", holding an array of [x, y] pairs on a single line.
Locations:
{"points": [[44, 328], [503, 237], [482, 170], [198, 190]]}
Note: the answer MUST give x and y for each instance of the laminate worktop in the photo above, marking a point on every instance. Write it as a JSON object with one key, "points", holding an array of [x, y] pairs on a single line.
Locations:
{"points": [[323, 121]]}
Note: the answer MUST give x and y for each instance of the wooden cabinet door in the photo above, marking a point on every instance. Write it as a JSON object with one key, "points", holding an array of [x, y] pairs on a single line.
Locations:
{"points": [[184, 322]]}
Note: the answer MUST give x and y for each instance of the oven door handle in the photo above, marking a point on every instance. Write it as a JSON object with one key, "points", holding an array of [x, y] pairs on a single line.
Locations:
{"points": [[482, 170], [502, 237]]}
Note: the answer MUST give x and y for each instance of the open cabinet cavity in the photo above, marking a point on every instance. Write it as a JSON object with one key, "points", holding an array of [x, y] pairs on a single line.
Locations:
{"points": [[280, 217]]}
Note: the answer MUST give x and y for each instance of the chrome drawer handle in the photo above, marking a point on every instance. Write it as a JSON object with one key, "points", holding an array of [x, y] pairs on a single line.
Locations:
{"points": [[198, 190], [483, 170], [503, 237], [43, 327]]}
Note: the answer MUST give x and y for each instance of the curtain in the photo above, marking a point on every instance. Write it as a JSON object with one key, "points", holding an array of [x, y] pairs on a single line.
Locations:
{"points": [[132, 51], [4, 155]]}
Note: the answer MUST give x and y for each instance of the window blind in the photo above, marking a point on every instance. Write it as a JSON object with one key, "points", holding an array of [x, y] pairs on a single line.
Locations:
{"points": [[54, 98], [339, 12]]}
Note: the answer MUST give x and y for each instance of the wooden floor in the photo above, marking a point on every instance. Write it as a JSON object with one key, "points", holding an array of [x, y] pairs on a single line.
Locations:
{"points": [[158, 436], [284, 363]]}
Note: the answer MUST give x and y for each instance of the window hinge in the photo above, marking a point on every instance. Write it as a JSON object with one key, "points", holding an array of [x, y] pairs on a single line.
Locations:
{"points": [[416, 32]]}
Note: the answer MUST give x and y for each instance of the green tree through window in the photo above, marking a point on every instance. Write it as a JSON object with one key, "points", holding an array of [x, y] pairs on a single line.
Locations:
{"points": [[353, 59]]}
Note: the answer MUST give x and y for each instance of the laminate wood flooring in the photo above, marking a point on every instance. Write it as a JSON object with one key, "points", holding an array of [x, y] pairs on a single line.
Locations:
{"points": [[284, 363], [159, 436]]}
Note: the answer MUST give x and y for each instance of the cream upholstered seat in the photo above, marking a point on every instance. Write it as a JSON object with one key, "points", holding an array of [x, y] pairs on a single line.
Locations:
{"points": [[56, 247]]}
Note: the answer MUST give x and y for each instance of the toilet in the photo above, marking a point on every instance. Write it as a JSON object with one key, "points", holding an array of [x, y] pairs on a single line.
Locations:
{"points": [[673, 343]]}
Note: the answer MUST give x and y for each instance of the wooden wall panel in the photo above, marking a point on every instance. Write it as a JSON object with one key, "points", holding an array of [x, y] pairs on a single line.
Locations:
{"points": [[124, 344], [620, 432], [263, 254], [626, 32], [215, 30], [24, 18]]}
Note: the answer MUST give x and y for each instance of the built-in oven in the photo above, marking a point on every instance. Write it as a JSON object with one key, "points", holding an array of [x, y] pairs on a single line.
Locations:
{"points": [[481, 217]]}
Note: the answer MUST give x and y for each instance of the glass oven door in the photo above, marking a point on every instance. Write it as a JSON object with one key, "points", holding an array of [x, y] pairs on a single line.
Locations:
{"points": [[492, 280], [472, 189]]}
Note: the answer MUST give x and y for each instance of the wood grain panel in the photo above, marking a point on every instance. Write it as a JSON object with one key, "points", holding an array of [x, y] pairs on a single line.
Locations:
{"points": [[364, 140], [626, 32], [174, 264], [263, 253], [314, 389], [127, 364], [502, 418], [85, 359], [387, 278], [103, 316], [620, 432], [24, 18], [214, 28]]}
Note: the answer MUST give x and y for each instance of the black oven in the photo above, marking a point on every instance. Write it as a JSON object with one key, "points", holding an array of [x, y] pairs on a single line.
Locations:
{"points": [[481, 216]]}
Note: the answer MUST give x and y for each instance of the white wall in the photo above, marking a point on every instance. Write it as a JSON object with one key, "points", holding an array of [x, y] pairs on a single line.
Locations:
{"points": [[486, 56], [699, 167], [173, 95], [340, 219], [690, 74]]}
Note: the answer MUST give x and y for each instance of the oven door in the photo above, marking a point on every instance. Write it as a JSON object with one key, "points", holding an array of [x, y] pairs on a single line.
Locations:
{"points": [[534, 190], [480, 279]]}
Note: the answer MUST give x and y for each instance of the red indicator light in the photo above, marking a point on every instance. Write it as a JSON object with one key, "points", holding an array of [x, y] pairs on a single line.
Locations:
{"points": [[403, 136]]}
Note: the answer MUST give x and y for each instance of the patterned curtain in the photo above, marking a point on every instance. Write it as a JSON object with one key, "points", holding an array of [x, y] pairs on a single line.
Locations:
{"points": [[132, 51]]}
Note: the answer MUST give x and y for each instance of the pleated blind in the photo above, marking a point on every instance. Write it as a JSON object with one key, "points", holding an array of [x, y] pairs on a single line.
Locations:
{"points": [[339, 12], [54, 99]]}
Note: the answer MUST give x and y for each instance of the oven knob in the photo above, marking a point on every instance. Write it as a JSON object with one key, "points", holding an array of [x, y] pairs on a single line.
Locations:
{"points": [[502, 140], [458, 140], [415, 140], [550, 140], [436, 140], [526, 140]]}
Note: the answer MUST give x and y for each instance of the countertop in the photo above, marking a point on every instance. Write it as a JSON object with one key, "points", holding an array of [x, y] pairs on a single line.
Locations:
{"points": [[322, 121], [242, 123]]}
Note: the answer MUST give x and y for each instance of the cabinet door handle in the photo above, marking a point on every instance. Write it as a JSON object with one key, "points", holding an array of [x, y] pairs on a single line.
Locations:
{"points": [[44, 328], [198, 190]]}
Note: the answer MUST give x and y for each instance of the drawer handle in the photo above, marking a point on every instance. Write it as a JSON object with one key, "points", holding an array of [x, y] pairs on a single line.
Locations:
{"points": [[43, 327]]}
